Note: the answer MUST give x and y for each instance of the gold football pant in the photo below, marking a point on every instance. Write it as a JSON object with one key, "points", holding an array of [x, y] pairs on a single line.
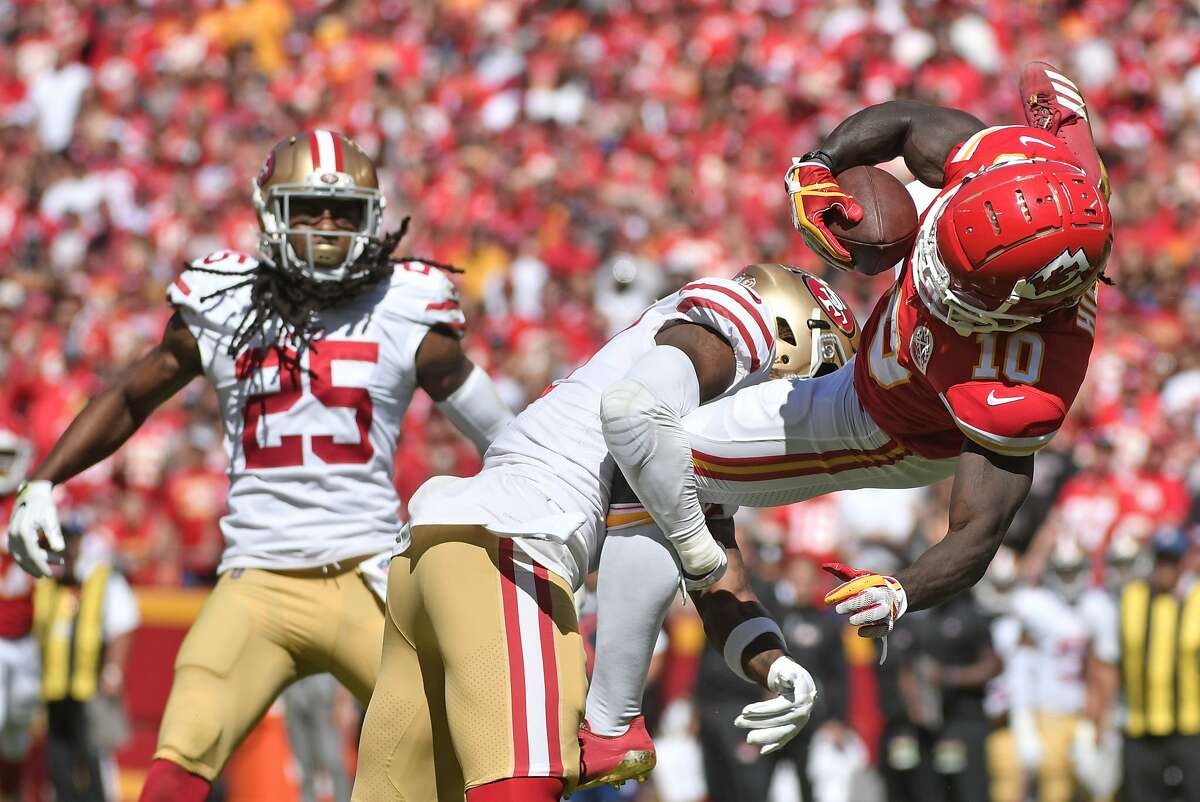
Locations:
{"points": [[482, 676], [257, 632], [1055, 778]]}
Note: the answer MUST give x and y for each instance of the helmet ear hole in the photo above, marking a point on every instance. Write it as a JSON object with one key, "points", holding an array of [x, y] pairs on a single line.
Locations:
{"points": [[784, 331]]}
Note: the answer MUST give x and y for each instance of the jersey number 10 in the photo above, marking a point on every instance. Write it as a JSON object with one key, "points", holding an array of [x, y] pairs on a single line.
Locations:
{"points": [[290, 451]]}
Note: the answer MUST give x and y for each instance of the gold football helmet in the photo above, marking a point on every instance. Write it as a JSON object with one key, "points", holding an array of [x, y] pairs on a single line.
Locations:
{"points": [[815, 331], [305, 173]]}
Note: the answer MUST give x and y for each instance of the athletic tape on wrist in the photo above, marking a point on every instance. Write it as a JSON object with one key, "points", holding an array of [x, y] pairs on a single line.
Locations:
{"points": [[742, 636]]}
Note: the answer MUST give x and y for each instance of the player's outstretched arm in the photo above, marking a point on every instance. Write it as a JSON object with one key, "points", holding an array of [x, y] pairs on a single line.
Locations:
{"points": [[105, 423], [746, 635], [642, 419], [988, 489], [923, 134], [461, 389], [115, 414]]}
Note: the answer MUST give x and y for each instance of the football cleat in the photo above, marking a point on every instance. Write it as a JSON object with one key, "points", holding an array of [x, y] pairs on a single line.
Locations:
{"points": [[1051, 101], [613, 759]]}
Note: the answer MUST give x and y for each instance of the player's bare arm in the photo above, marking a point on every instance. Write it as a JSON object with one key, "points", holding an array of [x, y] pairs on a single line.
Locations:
{"points": [[988, 489], [709, 353], [115, 414], [462, 390], [923, 134], [641, 416], [101, 428]]}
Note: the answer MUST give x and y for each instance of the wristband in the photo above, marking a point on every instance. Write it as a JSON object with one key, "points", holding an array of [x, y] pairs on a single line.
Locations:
{"points": [[742, 636], [819, 156]]}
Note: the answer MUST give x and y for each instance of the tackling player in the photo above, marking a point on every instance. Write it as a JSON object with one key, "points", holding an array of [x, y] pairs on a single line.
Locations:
{"points": [[968, 366], [481, 691], [315, 350]]}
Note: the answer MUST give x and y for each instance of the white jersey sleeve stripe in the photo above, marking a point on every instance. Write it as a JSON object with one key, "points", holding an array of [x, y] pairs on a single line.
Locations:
{"points": [[693, 302], [746, 313]]}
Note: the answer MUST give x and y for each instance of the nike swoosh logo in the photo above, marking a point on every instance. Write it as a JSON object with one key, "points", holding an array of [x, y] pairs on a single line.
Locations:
{"points": [[1025, 140], [994, 401]]}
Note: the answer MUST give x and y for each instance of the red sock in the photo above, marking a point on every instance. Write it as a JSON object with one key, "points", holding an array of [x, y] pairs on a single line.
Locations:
{"points": [[166, 782], [519, 789]]}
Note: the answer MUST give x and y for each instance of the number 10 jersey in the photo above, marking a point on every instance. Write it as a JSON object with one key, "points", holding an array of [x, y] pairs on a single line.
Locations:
{"points": [[311, 449]]}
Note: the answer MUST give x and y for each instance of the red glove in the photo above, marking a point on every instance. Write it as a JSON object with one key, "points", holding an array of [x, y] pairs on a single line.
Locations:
{"points": [[872, 601], [813, 192]]}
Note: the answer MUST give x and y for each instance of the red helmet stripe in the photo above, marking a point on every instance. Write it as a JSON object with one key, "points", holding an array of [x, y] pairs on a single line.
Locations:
{"points": [[327, 155], [337, 152], [314, 150]]}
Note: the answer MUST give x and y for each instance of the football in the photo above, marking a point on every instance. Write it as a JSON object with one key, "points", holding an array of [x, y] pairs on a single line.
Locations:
{"points": [[886, 233]]}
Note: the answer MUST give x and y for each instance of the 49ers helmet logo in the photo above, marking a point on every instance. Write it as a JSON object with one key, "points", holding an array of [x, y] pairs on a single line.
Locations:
{"points": [[834, 306], [1064, 272], [267, 170]]}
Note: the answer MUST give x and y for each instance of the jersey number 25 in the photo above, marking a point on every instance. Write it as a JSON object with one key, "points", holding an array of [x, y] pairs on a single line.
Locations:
{"points": [[290, 451]]}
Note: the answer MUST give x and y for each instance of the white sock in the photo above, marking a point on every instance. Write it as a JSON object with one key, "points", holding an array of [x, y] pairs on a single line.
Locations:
{"points": [[638, 579]]}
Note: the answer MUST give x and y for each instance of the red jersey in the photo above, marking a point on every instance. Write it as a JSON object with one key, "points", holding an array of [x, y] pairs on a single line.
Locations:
{"points": [[928, 386]]}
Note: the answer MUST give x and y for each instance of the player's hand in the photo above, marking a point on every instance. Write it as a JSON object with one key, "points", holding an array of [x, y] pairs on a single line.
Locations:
{"points": [[776, 721], [34, 514], [872, 601], [814, 192]]}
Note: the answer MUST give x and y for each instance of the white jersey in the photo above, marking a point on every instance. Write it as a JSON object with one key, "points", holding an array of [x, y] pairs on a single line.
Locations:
{"points": [[1063, 634], [549, 474], [311, 451]]}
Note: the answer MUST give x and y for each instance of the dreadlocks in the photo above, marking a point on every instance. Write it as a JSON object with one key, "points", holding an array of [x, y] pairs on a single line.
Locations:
{"points": [[294, 299]]}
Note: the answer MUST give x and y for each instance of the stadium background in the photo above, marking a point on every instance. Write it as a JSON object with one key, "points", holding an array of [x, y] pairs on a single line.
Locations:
{"points": [[577, 159]]}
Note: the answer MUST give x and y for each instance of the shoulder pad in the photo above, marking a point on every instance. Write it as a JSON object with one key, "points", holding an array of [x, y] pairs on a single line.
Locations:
{"points": [[208, 284], [425, 295]]}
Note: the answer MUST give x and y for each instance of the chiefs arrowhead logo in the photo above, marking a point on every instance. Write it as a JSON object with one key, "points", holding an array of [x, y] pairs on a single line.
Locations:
{"points": [[835, 308], [1065, 271]]}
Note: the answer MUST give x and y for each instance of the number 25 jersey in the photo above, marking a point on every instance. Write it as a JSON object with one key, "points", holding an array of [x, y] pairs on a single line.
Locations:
{"points": [[311, 450]]}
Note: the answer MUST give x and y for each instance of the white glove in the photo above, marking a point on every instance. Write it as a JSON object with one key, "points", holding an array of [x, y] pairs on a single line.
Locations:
{"points": [[1028, 740], [776, 721], [34, 512]]}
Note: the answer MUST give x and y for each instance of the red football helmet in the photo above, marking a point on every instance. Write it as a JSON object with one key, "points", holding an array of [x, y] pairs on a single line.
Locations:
{"points": [[1011, 244]]}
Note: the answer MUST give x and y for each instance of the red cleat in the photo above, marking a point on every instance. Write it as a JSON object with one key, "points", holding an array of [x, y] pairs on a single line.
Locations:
{"points": [[1053, 102], [613, 759]]}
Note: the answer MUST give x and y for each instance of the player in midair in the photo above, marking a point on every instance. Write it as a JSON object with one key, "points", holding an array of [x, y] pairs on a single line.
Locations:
{"points": [[482, 685], [967, 366], [315, 349]]}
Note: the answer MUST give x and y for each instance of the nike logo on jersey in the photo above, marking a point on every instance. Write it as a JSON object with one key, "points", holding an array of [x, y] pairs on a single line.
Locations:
{"points": [[1026, 140], [995, 401]]}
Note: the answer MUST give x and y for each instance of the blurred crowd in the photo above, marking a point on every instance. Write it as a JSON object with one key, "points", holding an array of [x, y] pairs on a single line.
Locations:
{"points": [[577, 159]]}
